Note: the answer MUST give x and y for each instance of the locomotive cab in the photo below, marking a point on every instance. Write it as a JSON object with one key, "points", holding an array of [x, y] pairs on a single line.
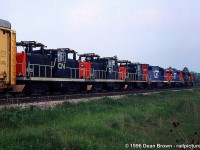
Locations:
{"points": [[156, 73], [132, 71], [64, 67], [64, 63], [168, 75], [123, 69], [90, 66], [138, 70], [127, 71], [33, 61], [176, 77], [156, 76], [111, 67]]}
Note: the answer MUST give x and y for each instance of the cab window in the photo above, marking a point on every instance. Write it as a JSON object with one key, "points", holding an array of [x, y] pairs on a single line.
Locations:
{"points": [[111, 63], [62, 57]]}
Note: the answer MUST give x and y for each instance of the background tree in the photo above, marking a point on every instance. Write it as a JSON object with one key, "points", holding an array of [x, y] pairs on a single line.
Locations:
{"points": [[185, 69], [196, 78]]}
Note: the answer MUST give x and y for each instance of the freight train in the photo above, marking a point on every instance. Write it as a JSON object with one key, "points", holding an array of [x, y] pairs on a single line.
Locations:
{"points": [[41, 70]]}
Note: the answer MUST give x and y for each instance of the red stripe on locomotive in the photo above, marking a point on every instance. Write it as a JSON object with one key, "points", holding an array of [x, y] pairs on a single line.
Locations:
{"points": [[145, 71], [181, 75], [122, 73], [84, 70], [168, 74], [21, 64]]}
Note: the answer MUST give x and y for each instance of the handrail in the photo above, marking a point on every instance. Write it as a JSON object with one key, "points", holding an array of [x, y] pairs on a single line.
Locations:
{"points": [[47, 71]]}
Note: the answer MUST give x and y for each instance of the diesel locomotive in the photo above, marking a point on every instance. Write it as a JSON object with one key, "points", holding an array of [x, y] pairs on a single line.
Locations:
{"points": [[38, 69]]}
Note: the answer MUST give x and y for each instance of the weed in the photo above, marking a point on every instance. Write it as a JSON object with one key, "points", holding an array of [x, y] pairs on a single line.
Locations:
{"points": [[104, 124]]}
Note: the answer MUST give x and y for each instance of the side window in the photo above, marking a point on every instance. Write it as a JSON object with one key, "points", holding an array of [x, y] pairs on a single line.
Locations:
{"points": [[62, 57], [110, 63], [113, 62]]}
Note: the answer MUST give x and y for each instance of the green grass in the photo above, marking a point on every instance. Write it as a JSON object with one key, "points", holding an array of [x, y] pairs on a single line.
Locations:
{"points": [[105, 123]]}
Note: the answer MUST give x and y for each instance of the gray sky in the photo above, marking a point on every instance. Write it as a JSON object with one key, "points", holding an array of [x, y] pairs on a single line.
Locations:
{"points": [[158, 32]]}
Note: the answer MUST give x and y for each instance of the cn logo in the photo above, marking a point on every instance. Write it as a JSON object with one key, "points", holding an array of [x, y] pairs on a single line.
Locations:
{"points": [[61, 66], [156, 74], [29, 69]]}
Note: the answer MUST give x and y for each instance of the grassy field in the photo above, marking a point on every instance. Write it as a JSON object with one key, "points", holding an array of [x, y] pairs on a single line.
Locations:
{"points": [[165, 118]]}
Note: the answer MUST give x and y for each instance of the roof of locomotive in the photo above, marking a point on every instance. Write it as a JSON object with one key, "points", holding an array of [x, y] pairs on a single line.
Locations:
{"points": [[5, 24], [88, 55], [124, 61]]}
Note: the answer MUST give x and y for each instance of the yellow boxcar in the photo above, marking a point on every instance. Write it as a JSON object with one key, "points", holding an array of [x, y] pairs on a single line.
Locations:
{"points": [[7, 55]]}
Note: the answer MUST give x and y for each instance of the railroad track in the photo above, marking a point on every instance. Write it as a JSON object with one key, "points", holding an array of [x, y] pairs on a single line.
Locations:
{"points": [[47, 98]]}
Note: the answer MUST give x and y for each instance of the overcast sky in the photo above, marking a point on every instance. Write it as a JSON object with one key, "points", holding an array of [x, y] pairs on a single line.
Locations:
{"points": [[158, 32]]}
